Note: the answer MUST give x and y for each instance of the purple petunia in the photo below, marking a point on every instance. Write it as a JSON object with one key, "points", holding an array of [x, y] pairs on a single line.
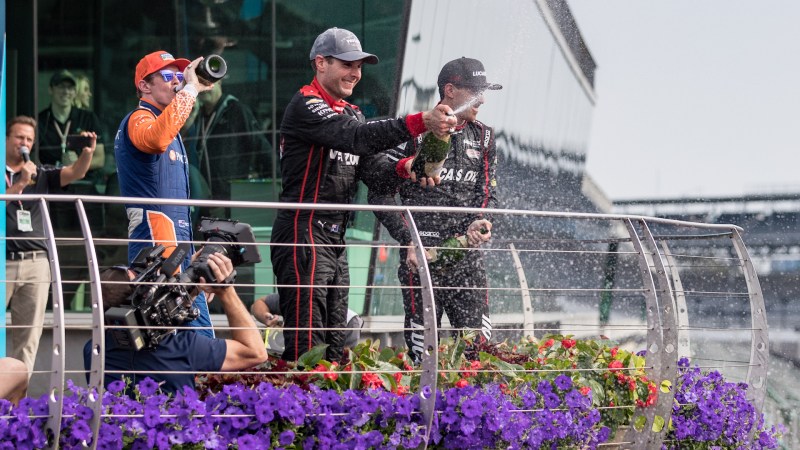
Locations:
{"points": [[286, 438], [115, 387], [563, 382], [248, 442], [148, 387]]}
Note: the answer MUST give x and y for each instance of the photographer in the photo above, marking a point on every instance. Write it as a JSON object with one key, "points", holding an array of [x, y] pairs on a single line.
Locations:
{"points": [[183, 353]]}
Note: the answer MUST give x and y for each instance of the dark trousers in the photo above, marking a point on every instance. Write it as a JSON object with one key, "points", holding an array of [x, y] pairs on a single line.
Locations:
{"points": [[313, 286], [459, 289]]}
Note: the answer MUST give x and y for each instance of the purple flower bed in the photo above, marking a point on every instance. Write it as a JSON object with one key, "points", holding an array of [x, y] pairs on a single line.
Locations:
{"points": [[531, 411], [715, 414], [290, 417]]}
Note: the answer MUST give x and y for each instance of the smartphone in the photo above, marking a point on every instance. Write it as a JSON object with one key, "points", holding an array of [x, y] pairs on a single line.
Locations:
{"points": [[76, 142]]}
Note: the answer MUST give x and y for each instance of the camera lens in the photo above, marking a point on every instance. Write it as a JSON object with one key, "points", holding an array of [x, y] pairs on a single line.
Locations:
{"points": [[212, 69]]}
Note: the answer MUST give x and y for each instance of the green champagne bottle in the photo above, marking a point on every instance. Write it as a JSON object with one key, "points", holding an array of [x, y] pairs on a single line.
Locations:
{"points": [[431, 155], [452, 250]]}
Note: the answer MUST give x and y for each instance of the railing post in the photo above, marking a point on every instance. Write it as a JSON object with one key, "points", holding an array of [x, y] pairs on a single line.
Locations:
{"points": [[528, 322], [684, 343], [430, 356], [759, 342], [55, 397], [95, 396], [661, 342]]}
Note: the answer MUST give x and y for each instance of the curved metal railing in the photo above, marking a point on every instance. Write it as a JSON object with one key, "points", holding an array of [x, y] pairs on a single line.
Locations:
{"points": [[663, 265]]}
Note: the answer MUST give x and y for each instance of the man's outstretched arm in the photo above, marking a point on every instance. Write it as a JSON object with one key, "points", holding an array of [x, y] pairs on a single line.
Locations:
{"points": [[246, 348]]}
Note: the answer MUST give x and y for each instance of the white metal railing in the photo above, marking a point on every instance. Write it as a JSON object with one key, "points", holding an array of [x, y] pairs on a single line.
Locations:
{"points": [[664, 272]]}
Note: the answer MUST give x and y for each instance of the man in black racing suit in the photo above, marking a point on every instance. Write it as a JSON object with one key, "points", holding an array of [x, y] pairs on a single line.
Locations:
{"points": [[467, 180], [322, 140]]}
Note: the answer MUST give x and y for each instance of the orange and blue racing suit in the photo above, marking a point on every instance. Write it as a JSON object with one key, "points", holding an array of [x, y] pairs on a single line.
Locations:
{"points": [[152, 163]]}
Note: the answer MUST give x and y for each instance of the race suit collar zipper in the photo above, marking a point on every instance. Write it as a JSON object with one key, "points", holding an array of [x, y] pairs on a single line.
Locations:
{"points": [[337, 106]]}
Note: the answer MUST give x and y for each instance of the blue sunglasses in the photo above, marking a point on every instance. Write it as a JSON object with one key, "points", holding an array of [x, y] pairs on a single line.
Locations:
{"points": [[168, 75]]}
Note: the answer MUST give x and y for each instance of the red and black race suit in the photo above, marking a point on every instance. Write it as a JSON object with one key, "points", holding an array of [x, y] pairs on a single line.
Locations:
{"points": [[322, 141]]}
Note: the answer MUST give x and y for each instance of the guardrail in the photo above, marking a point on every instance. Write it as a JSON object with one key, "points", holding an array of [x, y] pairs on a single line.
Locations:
{"points": [[538, 260]]}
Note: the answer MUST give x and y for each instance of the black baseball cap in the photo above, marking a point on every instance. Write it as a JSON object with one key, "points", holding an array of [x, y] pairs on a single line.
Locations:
{"points": [[62, 76], [341, 44], [466, 72]]}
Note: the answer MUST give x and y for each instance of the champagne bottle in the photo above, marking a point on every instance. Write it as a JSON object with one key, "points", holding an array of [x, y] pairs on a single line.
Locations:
{"points": [[430, 156], [453, 249]]}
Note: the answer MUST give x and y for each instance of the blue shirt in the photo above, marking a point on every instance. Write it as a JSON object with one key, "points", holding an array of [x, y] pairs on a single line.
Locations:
{"points": [[184, 351]]}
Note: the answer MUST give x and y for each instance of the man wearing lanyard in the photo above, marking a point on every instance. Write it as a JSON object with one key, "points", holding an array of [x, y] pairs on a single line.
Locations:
{"points": [[27, 261], [152, 162], [57, 124]]}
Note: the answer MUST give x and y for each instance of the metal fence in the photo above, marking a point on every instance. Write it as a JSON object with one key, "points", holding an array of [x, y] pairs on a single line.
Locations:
{"points": [[674, 288]]}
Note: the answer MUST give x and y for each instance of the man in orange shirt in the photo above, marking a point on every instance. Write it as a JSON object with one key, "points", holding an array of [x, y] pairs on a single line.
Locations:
{"points": [[151, 158]]}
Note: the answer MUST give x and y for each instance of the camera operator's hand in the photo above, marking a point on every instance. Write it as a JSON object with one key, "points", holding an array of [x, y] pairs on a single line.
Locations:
{"points": [[222, 268]]}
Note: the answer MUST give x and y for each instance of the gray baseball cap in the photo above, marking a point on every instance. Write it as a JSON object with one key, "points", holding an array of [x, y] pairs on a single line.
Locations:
{"points": [[341, 44]]}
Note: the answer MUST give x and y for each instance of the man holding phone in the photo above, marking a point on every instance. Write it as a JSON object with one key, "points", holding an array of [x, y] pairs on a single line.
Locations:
{"points": [[27, 260], [60, 126]]}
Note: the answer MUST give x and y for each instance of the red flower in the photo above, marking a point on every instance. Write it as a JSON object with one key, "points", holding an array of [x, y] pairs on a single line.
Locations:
{"points": [[585, 390], [333, 376], [614, 352], [568, 343], [462, 383], [371, 380], [615, 365], [401, 390], [398, 376]]}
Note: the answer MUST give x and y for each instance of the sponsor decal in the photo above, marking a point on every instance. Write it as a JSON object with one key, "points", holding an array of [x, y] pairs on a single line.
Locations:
{"points": [[183, 223], [486, 326], [174, 156], [312, 101], [486, 137], [429, 234], [417, 340], [493, 182], [469, 143], [459, 175], [479, 73], [346, 158], [166, 57], [473, 153]]}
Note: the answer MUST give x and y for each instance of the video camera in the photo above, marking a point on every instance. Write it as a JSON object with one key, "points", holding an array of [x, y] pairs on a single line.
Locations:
{"points": [[160, 298]]}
